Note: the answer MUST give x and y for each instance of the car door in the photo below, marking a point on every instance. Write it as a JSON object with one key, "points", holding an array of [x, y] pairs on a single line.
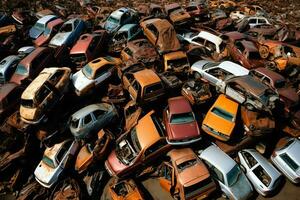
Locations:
{"points": [[208, 75], [167, 177], [103, 73], [233, 91]]}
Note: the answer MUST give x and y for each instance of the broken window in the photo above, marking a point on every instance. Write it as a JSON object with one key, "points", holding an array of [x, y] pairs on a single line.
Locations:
{"points": [[250, 160], [66, 28], [56, 77], [155, 147], [98, 113], [262, 175], [153, 88], [42, 93], [87, 119]]}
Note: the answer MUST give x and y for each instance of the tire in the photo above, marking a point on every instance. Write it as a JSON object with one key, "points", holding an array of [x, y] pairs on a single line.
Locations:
{"points": [[271, 65], [264, 51]]}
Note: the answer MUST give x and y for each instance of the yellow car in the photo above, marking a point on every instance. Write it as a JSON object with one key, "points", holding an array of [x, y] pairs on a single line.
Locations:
{"points": [[219, 121]]}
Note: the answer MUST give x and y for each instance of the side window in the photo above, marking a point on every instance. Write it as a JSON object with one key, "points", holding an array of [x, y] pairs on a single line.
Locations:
{"points": [[93, 44], [87, 119], [199, 40], [76, 22], [56, 77], [250, 160], [103, 70], [155, 147], [237, 88], [266, 81], [63, 151], [130, 110], [218, 174], [43, 92], [9, 72], [136, 85], [252, 21], [98, 113], [240, 46], [129, 77], [210, 45], [261, 21], [153, 29]]}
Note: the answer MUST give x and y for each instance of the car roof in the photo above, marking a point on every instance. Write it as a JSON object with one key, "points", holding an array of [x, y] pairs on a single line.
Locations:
{"points": [[28, 59], [210, 37], [269, 73], [250, 46], [55, 22], [46, 19], [175, 55], [100, 62], [146, 131], [218, 158], [250, 84], [118, 13], [88, 109], [6, 89], [233, 68], [179, 105], [146, 77], [293, 150], [8, 60], [181, 155], [82, 44], [34, 86], [227, 104]]}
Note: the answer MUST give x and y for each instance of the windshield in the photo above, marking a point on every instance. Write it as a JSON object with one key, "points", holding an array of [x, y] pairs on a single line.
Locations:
{"points": [[88, 71], [177, 62], [182, 118], [48, 161], [280, 84], [47, 31], [128, 149], [113, 20], [28, 103], [186, 164], [21, 70], [233, 175], [209, 65], [222, 113], [39, 26]]}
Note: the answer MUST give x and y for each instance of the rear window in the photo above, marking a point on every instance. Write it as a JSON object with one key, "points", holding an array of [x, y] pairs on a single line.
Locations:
{"points": [[222, 113], [262, 175], [28, 103], [153, 88], [186, 164], [182, 118], [48, 161], [197, 188], [289, 161], [87, 71], [21, 70]]}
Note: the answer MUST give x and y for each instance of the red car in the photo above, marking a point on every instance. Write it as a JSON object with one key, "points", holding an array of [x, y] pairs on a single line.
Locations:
{"points": [[88, 47], [180, 122], [51, 29], [33, 64]]}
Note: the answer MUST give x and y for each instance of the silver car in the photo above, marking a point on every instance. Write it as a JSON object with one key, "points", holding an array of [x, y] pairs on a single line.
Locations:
{"points": [[233, 182], [286, 158], [92, 118], [262, 174], [7, 67], [55, 160]]}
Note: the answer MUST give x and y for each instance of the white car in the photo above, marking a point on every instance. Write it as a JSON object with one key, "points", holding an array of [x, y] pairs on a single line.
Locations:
{"points": [[233, 182], [262, 174], [94, 74], [286, 158], [216, 73], [237, 15], [55, 160], [254, 21], [211, 42]]}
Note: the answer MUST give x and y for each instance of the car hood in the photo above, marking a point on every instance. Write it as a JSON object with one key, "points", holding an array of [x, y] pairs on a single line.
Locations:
{"points": [[60, 38], [183, 131], [80, 81], [45, 173], [114, 163], [179, 16], [219, 124], [242, 188], [35, 33], [30, 114]]}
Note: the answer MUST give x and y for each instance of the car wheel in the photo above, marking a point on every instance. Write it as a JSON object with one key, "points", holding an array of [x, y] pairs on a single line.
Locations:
{"points": [[271, 65], [197, 75], [264, 51]]}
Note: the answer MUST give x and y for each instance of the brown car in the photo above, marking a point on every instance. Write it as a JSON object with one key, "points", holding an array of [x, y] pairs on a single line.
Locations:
{"points": [[10, 94], [143, 86], [277, 82], [124, 190], [32, 65], [256, 123], [140, 50], [137, 148], [161, 34], [43, 93], [177, 15], [186, 176], [88, 47]]}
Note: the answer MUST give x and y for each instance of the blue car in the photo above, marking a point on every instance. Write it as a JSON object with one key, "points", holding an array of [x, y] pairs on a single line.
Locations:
{"points": [[40, 26], [119, 18], [69, 33]]}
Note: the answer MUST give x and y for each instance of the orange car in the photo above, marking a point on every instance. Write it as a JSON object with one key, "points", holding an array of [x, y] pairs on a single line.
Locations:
{"points": [[124, 190], [186, 175], [219, 121], [143, 86]]}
